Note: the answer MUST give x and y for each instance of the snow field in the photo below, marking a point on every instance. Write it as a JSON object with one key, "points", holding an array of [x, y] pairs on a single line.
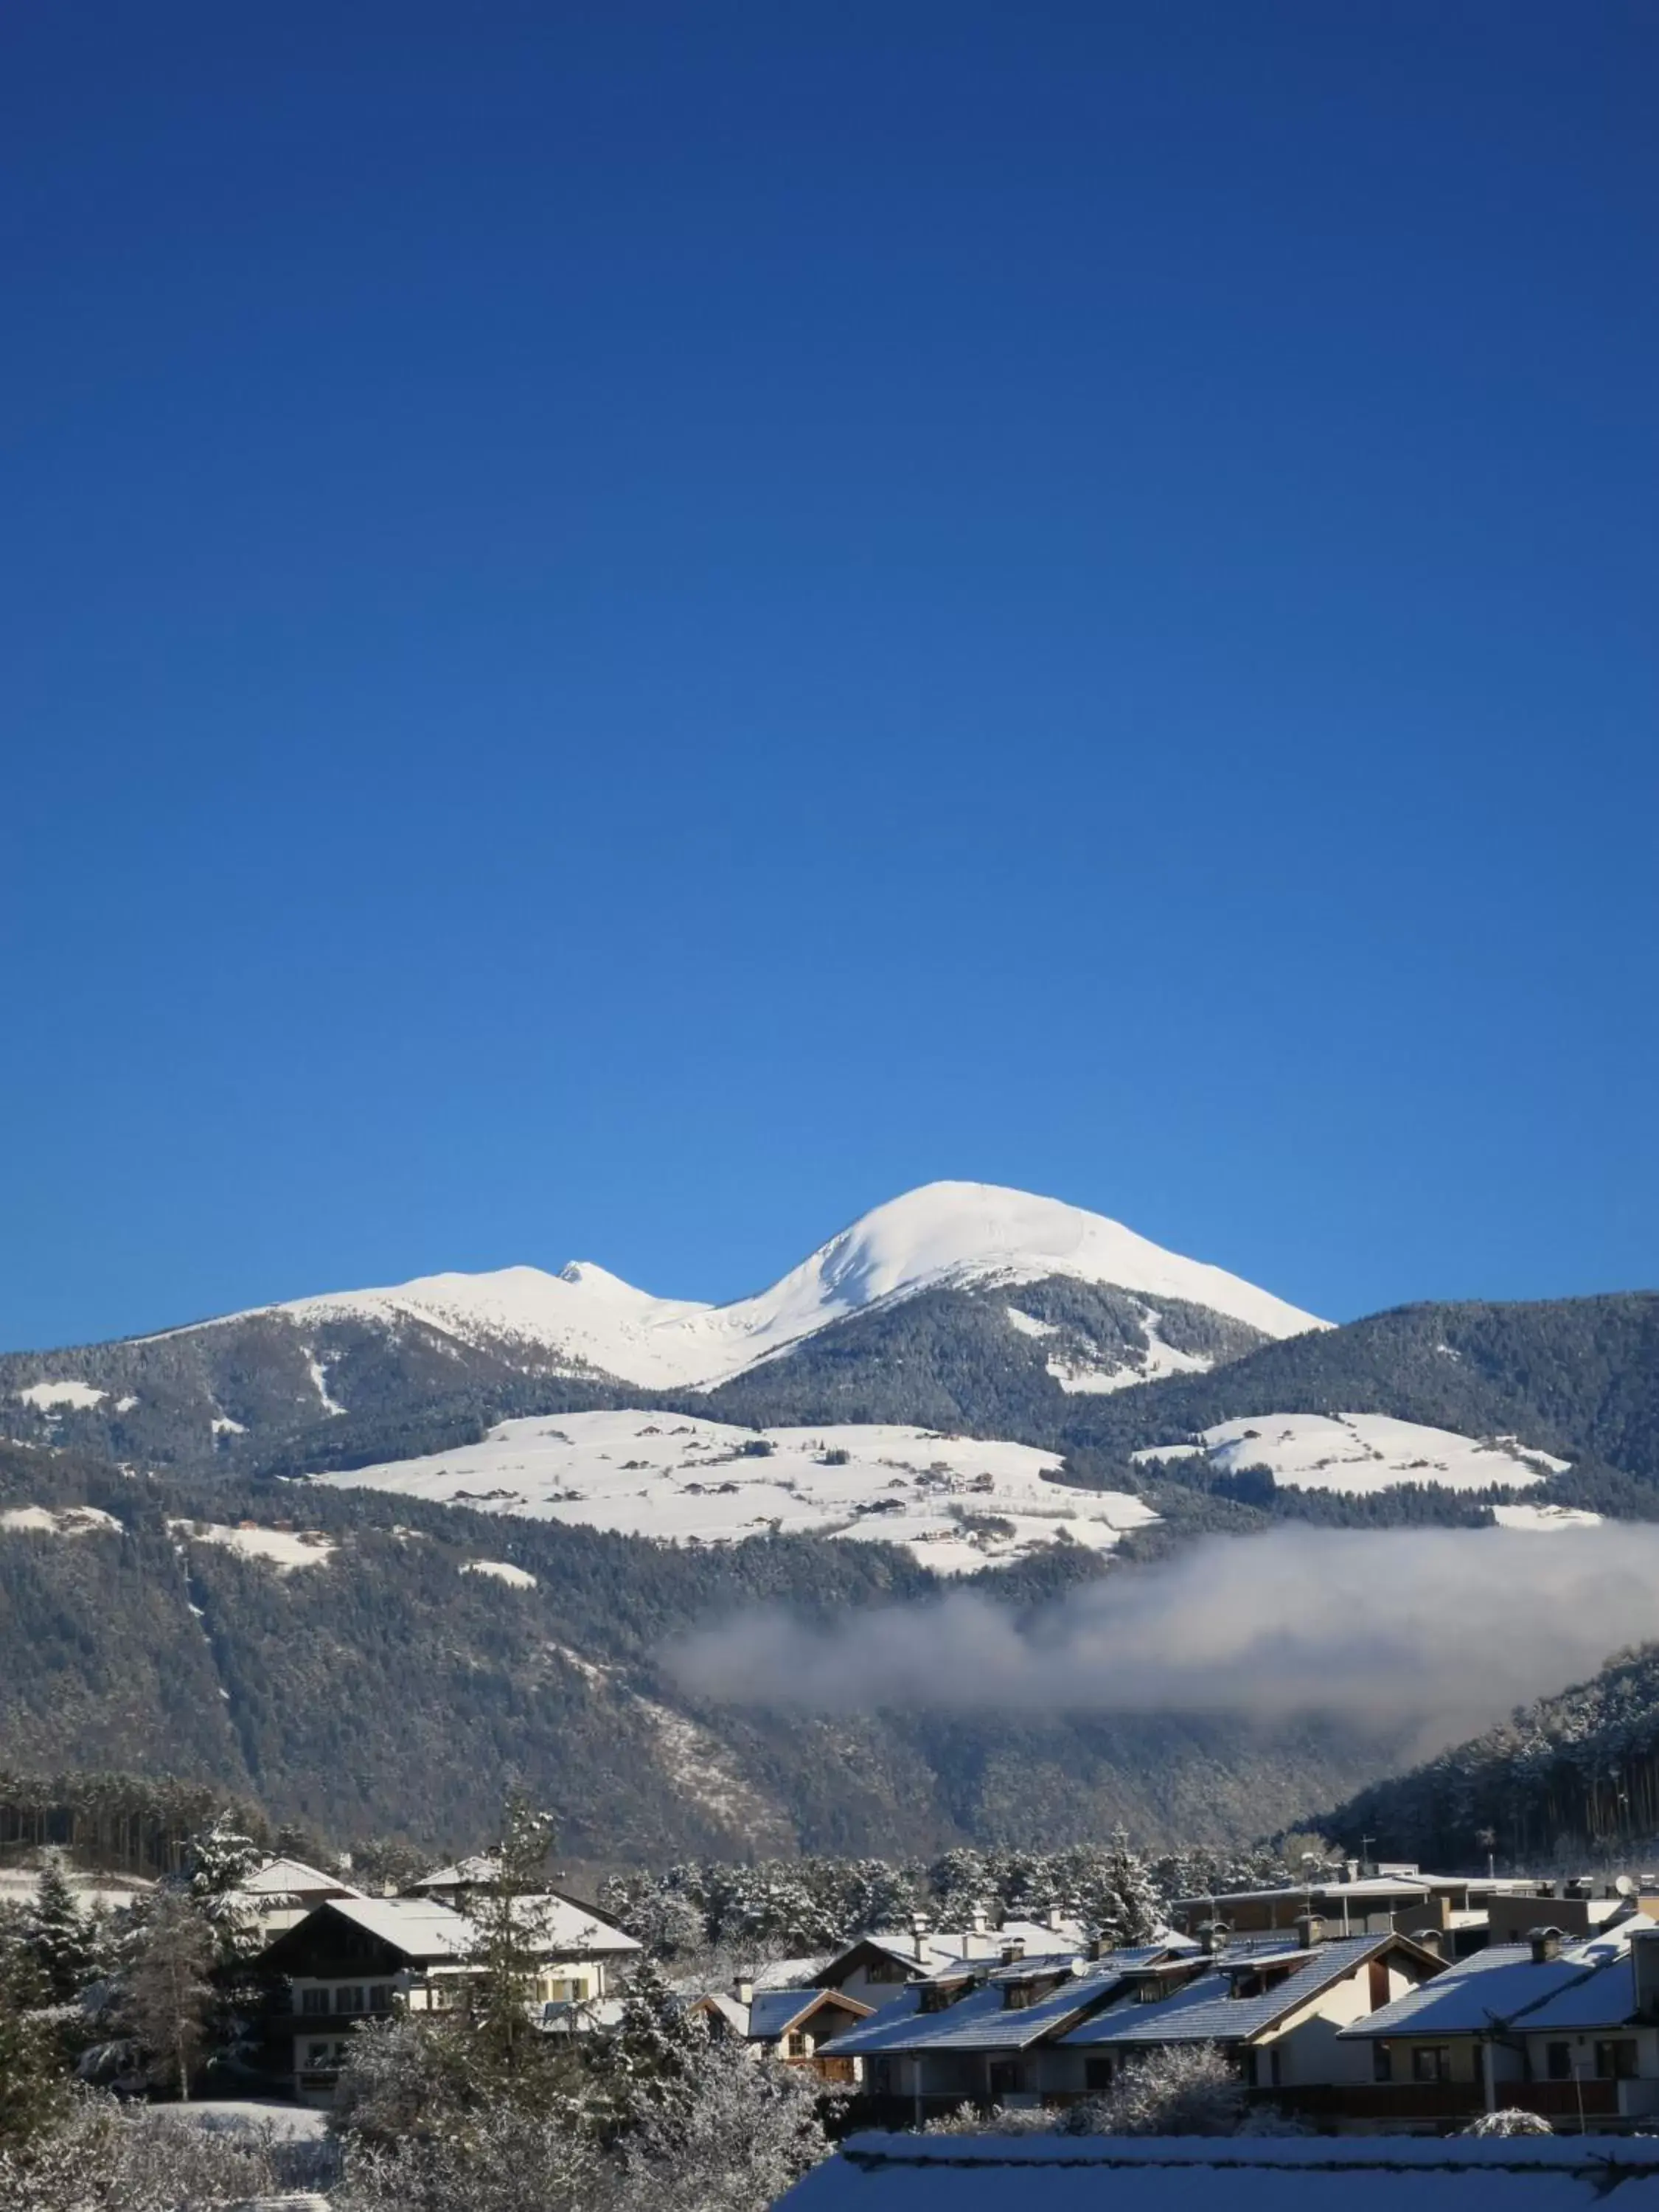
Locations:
{"points": [[1354, 1453], [683, 1479], [284, 1548], [46, 1397], [501, 1571], [66, 1521]]}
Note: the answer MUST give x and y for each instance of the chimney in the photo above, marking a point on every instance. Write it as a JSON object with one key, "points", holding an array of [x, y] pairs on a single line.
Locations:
{"points": [[1099, 1944], [1053, 1918], [1213, 1936], [1645, 1966], [1309, 1929], [1350, 1869], [1013, 1951], [977, 1920], [919, 1936], [744, 1991], [1545, 1945], [1431, 1939]]}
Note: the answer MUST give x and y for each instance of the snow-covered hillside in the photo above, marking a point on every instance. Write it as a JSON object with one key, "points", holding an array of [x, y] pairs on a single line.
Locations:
{"points": [[946, 1233], [1358, 1452], [662, 1474]]}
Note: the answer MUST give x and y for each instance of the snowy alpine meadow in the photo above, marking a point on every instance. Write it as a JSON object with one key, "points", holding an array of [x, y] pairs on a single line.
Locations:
{"points": [[1356, 1453], [959, 1504]]}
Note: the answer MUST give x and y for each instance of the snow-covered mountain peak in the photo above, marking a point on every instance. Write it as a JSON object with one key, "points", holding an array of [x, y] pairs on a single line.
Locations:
{"points": [[944, 1233], [599, 1283], [981, 1231]]}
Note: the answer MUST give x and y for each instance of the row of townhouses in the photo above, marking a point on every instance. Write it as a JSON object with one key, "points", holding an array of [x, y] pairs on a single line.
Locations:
{"points": [[1388, 1999]]}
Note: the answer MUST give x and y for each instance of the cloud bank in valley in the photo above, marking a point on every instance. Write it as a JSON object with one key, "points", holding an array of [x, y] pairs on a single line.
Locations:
{"points": [[1446, 1629]]}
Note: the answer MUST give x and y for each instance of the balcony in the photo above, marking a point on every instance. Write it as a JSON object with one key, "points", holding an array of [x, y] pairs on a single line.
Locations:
{"points": [[1436, 2102]]}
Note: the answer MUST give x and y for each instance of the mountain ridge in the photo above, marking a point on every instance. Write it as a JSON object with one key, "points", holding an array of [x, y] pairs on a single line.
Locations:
{"points": [[939, 1233], [520, 1340]]}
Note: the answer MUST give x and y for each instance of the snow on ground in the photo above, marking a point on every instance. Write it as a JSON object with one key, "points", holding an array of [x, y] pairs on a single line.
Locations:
{"points": [[1544, 1517], [247, 2115], [503, 1570], [319, 1374], [65, 1521], [667, 1475], [19, 1883], [1160, 1359], [945, 1233], [43, 1396], [1358, 1452], [285, 1548], [224, 1426]]}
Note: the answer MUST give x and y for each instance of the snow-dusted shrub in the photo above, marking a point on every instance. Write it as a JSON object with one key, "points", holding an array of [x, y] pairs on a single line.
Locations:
{"points": [[1000, 2120], [506, 2161], [740, 2136], [1512, 2122], [139, 2160], [1183, 2089]]}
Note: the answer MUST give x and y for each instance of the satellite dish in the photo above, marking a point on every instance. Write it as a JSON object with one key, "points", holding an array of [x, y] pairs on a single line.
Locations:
{"points": [[1624, 1886]]}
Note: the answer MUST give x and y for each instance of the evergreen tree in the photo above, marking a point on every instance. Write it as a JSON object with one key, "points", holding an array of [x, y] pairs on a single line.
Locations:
{"points": [[218, 1863], [57, 1934], [33, 2089], [507, 1943], [1130, 1905], [652, 2056]]}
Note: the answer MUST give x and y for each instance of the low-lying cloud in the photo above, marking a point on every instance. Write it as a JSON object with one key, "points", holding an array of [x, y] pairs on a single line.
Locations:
{"points": [[1445, 1629]]}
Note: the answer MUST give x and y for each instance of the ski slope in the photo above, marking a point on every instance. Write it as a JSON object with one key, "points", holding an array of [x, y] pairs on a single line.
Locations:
{"points": [[696, 1481], [955, 1233]]}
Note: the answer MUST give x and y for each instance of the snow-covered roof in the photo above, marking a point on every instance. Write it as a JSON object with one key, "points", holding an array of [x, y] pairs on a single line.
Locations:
{"points": [[423, 1928], [981, 2020], [417, 1926], [1603, 1995], [568, 1927], [775, 2012], [293, 1878], [1205, 2009], [1357, 2173], [465, 1873], [1491, 1984]]}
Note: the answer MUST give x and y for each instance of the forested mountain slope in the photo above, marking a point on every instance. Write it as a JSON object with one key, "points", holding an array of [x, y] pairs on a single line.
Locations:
{"points": [[373, 1665], [1572, 1774]]}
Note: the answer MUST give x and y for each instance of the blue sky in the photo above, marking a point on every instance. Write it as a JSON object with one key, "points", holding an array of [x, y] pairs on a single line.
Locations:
{"points": [[627, 629]]}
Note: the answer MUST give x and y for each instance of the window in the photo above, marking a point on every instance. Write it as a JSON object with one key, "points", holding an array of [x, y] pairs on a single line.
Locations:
{"points": [[350, 1998], [1382, 2063], [1557, 2061], [1432, 2062], [883, 1970], [797, 2046], [380, 1998], [1615, 2061], [313, 2001], [1096, 2073], [317, 2054]]}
